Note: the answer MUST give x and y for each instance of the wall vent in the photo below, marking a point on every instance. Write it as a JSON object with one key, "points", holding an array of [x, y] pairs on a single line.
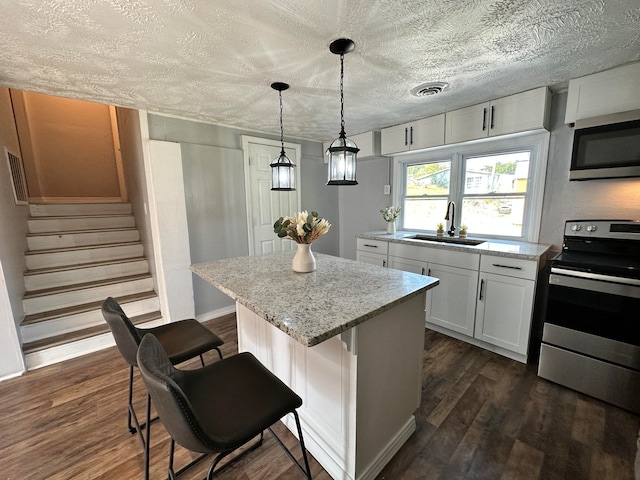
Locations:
{"points": [[18, 181]]}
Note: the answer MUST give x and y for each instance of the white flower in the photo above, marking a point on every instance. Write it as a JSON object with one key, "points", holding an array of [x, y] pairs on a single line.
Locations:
{"points": [[302, 227], [390, 213]]}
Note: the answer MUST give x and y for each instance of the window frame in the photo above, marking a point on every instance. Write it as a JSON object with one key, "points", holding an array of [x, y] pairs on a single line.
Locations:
{"points": [[536, 142]]}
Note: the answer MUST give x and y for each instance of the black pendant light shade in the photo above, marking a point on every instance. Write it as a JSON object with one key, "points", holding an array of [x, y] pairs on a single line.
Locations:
{"points": [[283, 175], [342, 152]]}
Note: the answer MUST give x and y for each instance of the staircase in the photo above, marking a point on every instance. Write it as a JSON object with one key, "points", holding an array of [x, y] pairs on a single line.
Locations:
{"points": [[79, 254]]}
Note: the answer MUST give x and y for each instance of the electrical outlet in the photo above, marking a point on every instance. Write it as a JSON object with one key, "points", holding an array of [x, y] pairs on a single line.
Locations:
{"points": [[387, 189]]}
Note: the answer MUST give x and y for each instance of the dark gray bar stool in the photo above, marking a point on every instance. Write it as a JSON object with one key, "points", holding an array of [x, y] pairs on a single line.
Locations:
{"points": [[182, 340]]}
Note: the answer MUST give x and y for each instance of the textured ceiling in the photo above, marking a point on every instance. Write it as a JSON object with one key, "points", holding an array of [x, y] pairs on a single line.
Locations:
{"points": [[214, 60]]}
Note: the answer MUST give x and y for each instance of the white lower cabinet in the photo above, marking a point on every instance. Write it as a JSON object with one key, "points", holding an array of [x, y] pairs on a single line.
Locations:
{"points": [[372, 251], [486, 300], [452, 304], [503, 315], [505, 302], [372, 258]]}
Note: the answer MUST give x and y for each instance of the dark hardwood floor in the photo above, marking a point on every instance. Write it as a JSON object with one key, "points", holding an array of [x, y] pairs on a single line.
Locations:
{"points": [[482, 417]]}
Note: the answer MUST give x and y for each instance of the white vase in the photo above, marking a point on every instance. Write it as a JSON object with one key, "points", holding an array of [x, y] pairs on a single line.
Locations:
{"points": [[391, 228], [303, 260]]}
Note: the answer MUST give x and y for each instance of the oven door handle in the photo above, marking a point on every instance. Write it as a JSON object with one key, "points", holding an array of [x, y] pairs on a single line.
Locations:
{"points": [[587, 282], [595, 276]]}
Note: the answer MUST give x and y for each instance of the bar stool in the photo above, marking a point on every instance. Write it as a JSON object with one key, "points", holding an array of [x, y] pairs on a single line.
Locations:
{"points": [[182, 340], [217, 408]]}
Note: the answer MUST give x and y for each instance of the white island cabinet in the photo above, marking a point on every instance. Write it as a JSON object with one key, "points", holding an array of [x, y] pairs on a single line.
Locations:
{"points": [[348, 338]]}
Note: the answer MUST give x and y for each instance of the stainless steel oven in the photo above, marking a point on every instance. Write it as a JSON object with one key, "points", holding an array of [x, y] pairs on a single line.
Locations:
{"points": [[591, 334]]}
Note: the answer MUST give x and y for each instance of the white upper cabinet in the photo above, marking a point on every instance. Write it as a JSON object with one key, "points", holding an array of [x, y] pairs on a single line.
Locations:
{"points": [[605, 93], [515, 113], [367, 142], [424, 133]]}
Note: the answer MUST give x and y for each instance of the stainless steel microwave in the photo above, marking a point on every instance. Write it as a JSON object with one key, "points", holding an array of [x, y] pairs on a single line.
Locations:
{"points": [[606, 151]]}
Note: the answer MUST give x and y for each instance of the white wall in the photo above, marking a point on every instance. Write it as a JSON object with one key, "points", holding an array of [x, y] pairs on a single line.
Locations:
{"points": [[591, 199], [133, 166], [13, 243], [360, 205], [216, 216], [211, 151]]}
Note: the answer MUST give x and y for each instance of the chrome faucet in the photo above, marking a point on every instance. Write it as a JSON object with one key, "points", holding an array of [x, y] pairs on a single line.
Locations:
{"points": [[452, 229]]}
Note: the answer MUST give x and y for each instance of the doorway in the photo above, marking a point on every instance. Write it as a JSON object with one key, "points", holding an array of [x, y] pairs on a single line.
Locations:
{"points": [[265, 206]]}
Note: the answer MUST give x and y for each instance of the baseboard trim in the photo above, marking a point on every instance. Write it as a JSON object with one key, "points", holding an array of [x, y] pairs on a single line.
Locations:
{"points": [[77, 200], [213, 314], [12, 375]]}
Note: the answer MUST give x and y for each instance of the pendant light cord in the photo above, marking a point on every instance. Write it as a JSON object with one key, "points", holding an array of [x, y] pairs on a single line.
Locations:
{"points": [[342, 134], [281, 127]]}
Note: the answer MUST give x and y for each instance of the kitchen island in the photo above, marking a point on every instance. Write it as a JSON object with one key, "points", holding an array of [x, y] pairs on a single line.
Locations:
{"points": [[348, 338]]}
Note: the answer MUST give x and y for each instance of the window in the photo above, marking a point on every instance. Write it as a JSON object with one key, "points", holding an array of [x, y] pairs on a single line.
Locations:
{"points": [[427, 187], [496, 186]]}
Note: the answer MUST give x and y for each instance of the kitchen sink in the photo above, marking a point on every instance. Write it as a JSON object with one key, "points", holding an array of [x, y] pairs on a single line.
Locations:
{"points": [[443, 239]]}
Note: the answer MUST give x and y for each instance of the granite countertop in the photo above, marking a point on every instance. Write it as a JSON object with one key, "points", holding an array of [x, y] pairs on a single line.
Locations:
{"points": [[312, 307], [500, 248]]}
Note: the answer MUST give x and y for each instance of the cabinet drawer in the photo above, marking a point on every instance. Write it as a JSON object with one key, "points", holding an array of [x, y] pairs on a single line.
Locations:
{"points": [[377, 246], [512, 267]]}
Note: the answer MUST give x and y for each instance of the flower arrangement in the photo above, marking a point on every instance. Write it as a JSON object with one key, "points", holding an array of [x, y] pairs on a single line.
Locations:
{"points": [[390, 214], [304, 227]]}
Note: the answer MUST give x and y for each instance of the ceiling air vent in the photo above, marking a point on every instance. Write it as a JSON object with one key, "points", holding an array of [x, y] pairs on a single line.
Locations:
{"points": [[17, 178], [428, 89]]}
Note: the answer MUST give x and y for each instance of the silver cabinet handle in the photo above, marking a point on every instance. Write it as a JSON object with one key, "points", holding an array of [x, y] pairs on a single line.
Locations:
{"points": [[484, 119], [406, 136], [481, 288], [506, 266], [493, 116], [411, 137], [367, 245]]}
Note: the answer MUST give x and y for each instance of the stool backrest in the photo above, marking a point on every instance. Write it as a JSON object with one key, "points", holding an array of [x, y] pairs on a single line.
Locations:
{"points": [[174, 409], [126, 335]]}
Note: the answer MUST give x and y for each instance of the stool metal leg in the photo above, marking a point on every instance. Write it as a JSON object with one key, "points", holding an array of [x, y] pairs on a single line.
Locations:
{"points": [[148, 439]]}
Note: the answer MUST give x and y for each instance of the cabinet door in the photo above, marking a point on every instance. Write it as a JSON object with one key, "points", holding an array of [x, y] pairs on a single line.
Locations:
{"points": [[372, 258], [408, 265], [520, 112], [504, 309], [452, 304], [394, 139], [468, 123], [428, 132], [609, 92]]}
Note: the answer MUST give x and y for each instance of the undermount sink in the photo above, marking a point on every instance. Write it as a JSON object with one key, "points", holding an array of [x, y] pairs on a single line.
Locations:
{"points": [[443, 239]]}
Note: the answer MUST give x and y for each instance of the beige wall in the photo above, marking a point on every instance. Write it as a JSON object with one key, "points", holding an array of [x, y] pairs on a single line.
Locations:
{"points": [[59, 136]]}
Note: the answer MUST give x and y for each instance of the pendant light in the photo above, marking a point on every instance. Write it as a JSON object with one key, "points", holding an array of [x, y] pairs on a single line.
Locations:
{"points": [[342, 152], [283, 176]]}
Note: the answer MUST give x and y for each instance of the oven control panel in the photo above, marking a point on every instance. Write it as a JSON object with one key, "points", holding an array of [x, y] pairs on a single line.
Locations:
{"points": [[624, 229]]}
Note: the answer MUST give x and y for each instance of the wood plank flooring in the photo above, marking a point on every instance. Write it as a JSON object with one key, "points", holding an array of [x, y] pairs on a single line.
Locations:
{"points": [[482, 417]]}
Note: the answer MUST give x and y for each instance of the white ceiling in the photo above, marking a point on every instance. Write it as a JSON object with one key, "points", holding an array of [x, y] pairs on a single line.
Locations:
{"points": [[214, 60]]}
